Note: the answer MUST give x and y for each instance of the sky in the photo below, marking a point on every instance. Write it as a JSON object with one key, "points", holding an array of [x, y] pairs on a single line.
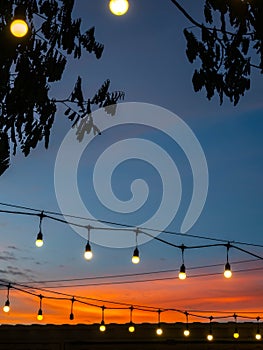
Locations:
{"points": [[144, 56]]}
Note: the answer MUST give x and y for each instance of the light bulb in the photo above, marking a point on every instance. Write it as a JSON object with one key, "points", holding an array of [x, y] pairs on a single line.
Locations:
{"points": [[227, 272], [39, 241], [119, 7], [182, 274], [6, 307], [102, 326], [135, 257], [131, 327], [40, 315], [258, 336], [159, 331], [19, 28], [210, 337], [236, 334], [186, 332], [88, 252]]}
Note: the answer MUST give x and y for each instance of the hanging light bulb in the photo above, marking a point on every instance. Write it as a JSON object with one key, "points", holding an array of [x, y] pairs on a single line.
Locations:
{"points": [[258, 334], [159, 330], [88, 255], [227, 272], [71, 315], [182, 273], [131, 327], [88, 252], [119, 7], [210, 335], [39, 240], [135, 257], [6, 307], [186, 331], [40, 313], [19, 28], [102, 324], [236, 333], [131, 324]]}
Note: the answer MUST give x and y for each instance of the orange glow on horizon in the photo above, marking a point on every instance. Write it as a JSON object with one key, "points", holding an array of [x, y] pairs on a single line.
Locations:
{"points": [[211, 293]]}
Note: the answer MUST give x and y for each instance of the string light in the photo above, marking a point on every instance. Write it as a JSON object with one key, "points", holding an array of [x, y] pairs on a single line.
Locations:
{"points": [[40, 313], [102, 324], [136, 257], [227, 272], [118, 7], [131, 324], [159, 330], [236, 333], [39, 240], [71, 315], [6, 307], [88, 255], [210, 334], [186, 331], [182, 273], [258, 334], [18, 26]]}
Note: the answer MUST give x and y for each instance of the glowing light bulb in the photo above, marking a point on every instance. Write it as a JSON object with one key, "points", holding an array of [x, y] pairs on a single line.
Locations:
{"points": [[227, 272], [186, 332], [40, 315], [236, 334], [19, 28], [210, 337], [182, 274], [88, 255], [131, 327], [119, 7], [39, 241], [6, 307], [135, 257], [159, 331], [102, 326], [258, 336]]}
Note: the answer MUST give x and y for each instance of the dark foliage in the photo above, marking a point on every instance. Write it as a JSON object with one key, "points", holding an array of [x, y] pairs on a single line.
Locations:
{"points": [[30, 65], [226, 52]]}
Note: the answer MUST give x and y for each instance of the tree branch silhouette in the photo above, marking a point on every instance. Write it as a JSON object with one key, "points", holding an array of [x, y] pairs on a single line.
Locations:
{"points": [[30, 65], [225, 52]]}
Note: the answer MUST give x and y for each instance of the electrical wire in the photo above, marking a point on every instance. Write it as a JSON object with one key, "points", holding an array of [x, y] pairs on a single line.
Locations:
{"points": [[124, 225], [136, 274], [127, 306]]}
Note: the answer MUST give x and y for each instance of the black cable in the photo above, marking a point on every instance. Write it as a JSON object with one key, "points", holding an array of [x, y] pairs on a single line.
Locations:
{"points": [[128, 226]]}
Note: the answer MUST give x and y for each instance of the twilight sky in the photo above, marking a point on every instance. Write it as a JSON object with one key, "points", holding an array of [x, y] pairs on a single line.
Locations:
{"points": [[145, 57]]}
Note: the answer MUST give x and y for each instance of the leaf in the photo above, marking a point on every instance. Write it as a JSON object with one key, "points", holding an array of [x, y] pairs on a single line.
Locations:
{"points": [[4, 152]]}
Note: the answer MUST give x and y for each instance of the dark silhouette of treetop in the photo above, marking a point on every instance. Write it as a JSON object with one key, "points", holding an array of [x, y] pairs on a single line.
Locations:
{"points": [[30, 64], [226, 46]]}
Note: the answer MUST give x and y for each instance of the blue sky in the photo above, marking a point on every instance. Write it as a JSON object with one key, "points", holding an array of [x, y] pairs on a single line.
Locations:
{"points": [[145, 57]]}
